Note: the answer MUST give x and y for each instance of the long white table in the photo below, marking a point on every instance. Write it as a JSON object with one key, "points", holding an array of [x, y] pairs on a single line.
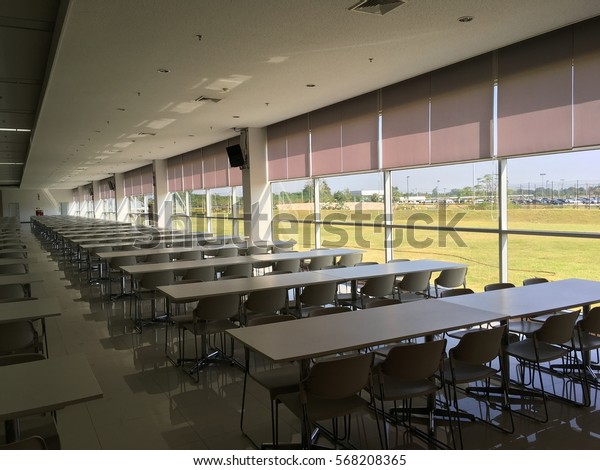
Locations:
{"points": [[43, 386], [349, 331], [31, 310]]}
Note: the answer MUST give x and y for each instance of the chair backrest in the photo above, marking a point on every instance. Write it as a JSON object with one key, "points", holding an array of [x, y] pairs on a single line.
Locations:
{"points": [[266, 319], [18, 337], [320, 262], [338, 378], [534, 280], [399, 260], [455, 292], [118, 261], [28, 443], [204, 274], [413, 361], [9, 360], [269, 301], [12, 291], [319, 312], [282, 249], [349, 260], [227, 252], [256, 250], [380, 286], [238, 270], [159, 278], [454, 277], [382, 303], [366, 263], [158, 258], [13, 269], [291, 265], [415, 282], [498, 286], [591, 321], [319, 294], [557, 329], [190, 255], [219, 307], [479, 346]]}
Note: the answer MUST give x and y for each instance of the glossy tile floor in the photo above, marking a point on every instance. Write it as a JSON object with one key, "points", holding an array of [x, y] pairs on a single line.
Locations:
{"points": [[150, 404]]}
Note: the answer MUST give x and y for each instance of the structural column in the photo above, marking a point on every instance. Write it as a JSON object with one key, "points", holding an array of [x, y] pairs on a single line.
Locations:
{"points": [[258, 209]]}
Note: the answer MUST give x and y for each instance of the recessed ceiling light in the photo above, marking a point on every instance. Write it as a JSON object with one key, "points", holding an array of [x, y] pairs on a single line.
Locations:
{"points": [[310, 85], [235, 117], [465, 19], [163, 70], [120, 109]]}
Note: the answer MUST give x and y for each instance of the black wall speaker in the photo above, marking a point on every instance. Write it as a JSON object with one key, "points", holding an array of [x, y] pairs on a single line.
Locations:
{"points": [[236, 156], [111, 185]]}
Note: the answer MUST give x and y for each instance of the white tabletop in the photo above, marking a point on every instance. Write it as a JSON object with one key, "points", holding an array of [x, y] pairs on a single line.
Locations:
{"points": [[23, 279], [144, 268], [147, 251], [536, 299], [34, 309], [348, 331], [46, 385], [196, 290], [404, 267], [310, 254]]}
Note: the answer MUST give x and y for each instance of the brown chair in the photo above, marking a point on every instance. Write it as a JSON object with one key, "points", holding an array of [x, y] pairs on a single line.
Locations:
{"points": [[212, 316], [276, 380], [450, 279], [409, 371], [416, 283], [553, 340], [471, 361], [332, 390]]}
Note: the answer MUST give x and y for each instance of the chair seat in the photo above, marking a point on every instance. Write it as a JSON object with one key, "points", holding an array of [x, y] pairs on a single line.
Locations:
{"points": [[396, 388], [321, 408], [588, 342], [278, 381], [465, 372], [208, 328], [525, 350]]}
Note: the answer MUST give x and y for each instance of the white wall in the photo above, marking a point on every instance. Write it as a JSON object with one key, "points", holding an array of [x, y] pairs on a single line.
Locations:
{"points": [[30, 200]]}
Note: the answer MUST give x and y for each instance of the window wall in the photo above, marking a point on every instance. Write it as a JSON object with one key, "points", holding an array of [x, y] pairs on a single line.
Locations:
{"points": [[218, 211]]}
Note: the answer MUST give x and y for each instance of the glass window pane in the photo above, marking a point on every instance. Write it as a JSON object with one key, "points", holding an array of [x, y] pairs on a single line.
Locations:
{"points": [[452, 195], [293, 212], [552, 258], [554, 192]]}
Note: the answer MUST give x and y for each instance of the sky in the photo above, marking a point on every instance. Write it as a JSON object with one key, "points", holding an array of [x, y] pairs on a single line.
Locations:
{"points": [[554, 171]]}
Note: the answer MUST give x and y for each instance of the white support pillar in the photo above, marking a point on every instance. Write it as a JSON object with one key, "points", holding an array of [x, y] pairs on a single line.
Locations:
{"points": [[258, 210], [163, 203], [502, 194], [317, 210], [121, 202], [98, 209], [388, 210]]}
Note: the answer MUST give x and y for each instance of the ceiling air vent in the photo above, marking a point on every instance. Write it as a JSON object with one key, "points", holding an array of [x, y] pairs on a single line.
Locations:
{"points": [[376, 7], [206, 98]]}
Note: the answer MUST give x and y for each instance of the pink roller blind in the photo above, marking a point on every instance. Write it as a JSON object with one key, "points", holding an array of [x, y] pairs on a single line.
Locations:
{"points": [[235, 174], [287, 149], [326, 139], [104, 188], [277, 151], [147, 178], [586, 89], [132, 182], [405, 123], [215, 163], [187, 163], [360, 132], [462, 111], [174, 174], [534, 95]]}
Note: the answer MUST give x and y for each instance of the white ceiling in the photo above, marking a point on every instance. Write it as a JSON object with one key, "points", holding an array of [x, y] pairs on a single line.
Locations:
{"points": [[105, 96]]}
